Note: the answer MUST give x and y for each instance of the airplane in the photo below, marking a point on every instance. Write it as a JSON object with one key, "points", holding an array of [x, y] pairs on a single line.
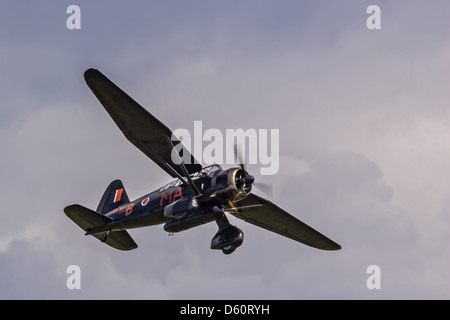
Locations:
{"points": [[197, 196]]}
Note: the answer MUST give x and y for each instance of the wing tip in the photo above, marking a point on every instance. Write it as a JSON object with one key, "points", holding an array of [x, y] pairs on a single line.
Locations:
{"points": [[333, 246], [89, 73]]}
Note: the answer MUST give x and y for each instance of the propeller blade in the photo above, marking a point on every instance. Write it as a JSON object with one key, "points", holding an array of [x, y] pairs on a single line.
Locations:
{"points": [[238, 157]]}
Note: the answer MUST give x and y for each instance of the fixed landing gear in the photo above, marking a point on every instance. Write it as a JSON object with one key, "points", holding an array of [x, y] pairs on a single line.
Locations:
{"points": [[105, 236], [229, 249], [228, 238]]}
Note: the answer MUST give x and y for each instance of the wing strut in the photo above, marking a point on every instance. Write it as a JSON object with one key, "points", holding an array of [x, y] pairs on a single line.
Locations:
{"points": [[169, 168], [189, 183]]}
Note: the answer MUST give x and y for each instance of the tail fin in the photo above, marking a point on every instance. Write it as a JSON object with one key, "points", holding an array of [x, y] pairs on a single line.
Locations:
{"points": [[114, 196]]}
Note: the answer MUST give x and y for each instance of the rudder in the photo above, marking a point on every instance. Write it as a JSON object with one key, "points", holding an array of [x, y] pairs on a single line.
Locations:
{"points": [[114, 196]]}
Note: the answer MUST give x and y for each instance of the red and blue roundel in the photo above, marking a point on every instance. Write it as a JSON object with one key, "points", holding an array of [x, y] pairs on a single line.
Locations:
{"points": [[145, 202]]}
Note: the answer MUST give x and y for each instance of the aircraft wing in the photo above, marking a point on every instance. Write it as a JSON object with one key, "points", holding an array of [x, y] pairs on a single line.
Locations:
{"points": [[141, 128], [263, 213]]}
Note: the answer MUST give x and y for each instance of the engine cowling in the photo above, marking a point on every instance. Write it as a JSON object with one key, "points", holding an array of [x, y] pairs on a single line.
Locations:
{"points": [[233, 184]]}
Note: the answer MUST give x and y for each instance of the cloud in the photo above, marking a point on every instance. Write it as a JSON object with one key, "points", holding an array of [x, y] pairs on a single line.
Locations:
{"points": [[364, 154], [27, 272]]}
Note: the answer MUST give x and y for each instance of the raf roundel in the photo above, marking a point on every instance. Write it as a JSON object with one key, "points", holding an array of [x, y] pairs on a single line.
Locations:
{"points": [[145, 201]]}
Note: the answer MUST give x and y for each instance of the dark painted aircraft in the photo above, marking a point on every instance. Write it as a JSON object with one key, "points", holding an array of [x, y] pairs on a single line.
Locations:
{"points": [[196, 196]]}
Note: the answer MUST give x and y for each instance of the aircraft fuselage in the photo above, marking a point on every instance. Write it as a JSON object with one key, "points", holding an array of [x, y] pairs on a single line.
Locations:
{"points": [[218, 187]]}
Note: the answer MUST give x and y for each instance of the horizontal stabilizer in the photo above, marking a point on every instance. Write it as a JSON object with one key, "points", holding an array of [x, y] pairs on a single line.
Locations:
{"points": [[118, 239], [85, 218], [88, 219]]}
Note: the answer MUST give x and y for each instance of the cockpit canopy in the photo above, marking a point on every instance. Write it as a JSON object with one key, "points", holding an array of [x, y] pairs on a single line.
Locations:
{"points": [[202, 173]]}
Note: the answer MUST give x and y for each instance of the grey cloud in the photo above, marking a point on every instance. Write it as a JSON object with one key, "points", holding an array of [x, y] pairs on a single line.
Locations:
{"points": [[364, 158]]}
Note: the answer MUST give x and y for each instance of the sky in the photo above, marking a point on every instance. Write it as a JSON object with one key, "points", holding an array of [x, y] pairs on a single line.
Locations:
{"points": [[364, 129]]}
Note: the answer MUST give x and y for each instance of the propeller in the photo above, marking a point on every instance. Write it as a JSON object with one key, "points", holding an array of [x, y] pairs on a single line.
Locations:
{"points": [[245, 180]]}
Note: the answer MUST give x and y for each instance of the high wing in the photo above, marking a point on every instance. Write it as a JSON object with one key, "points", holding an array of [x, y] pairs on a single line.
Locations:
{"points": [[141, 128], [263, 213]]}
